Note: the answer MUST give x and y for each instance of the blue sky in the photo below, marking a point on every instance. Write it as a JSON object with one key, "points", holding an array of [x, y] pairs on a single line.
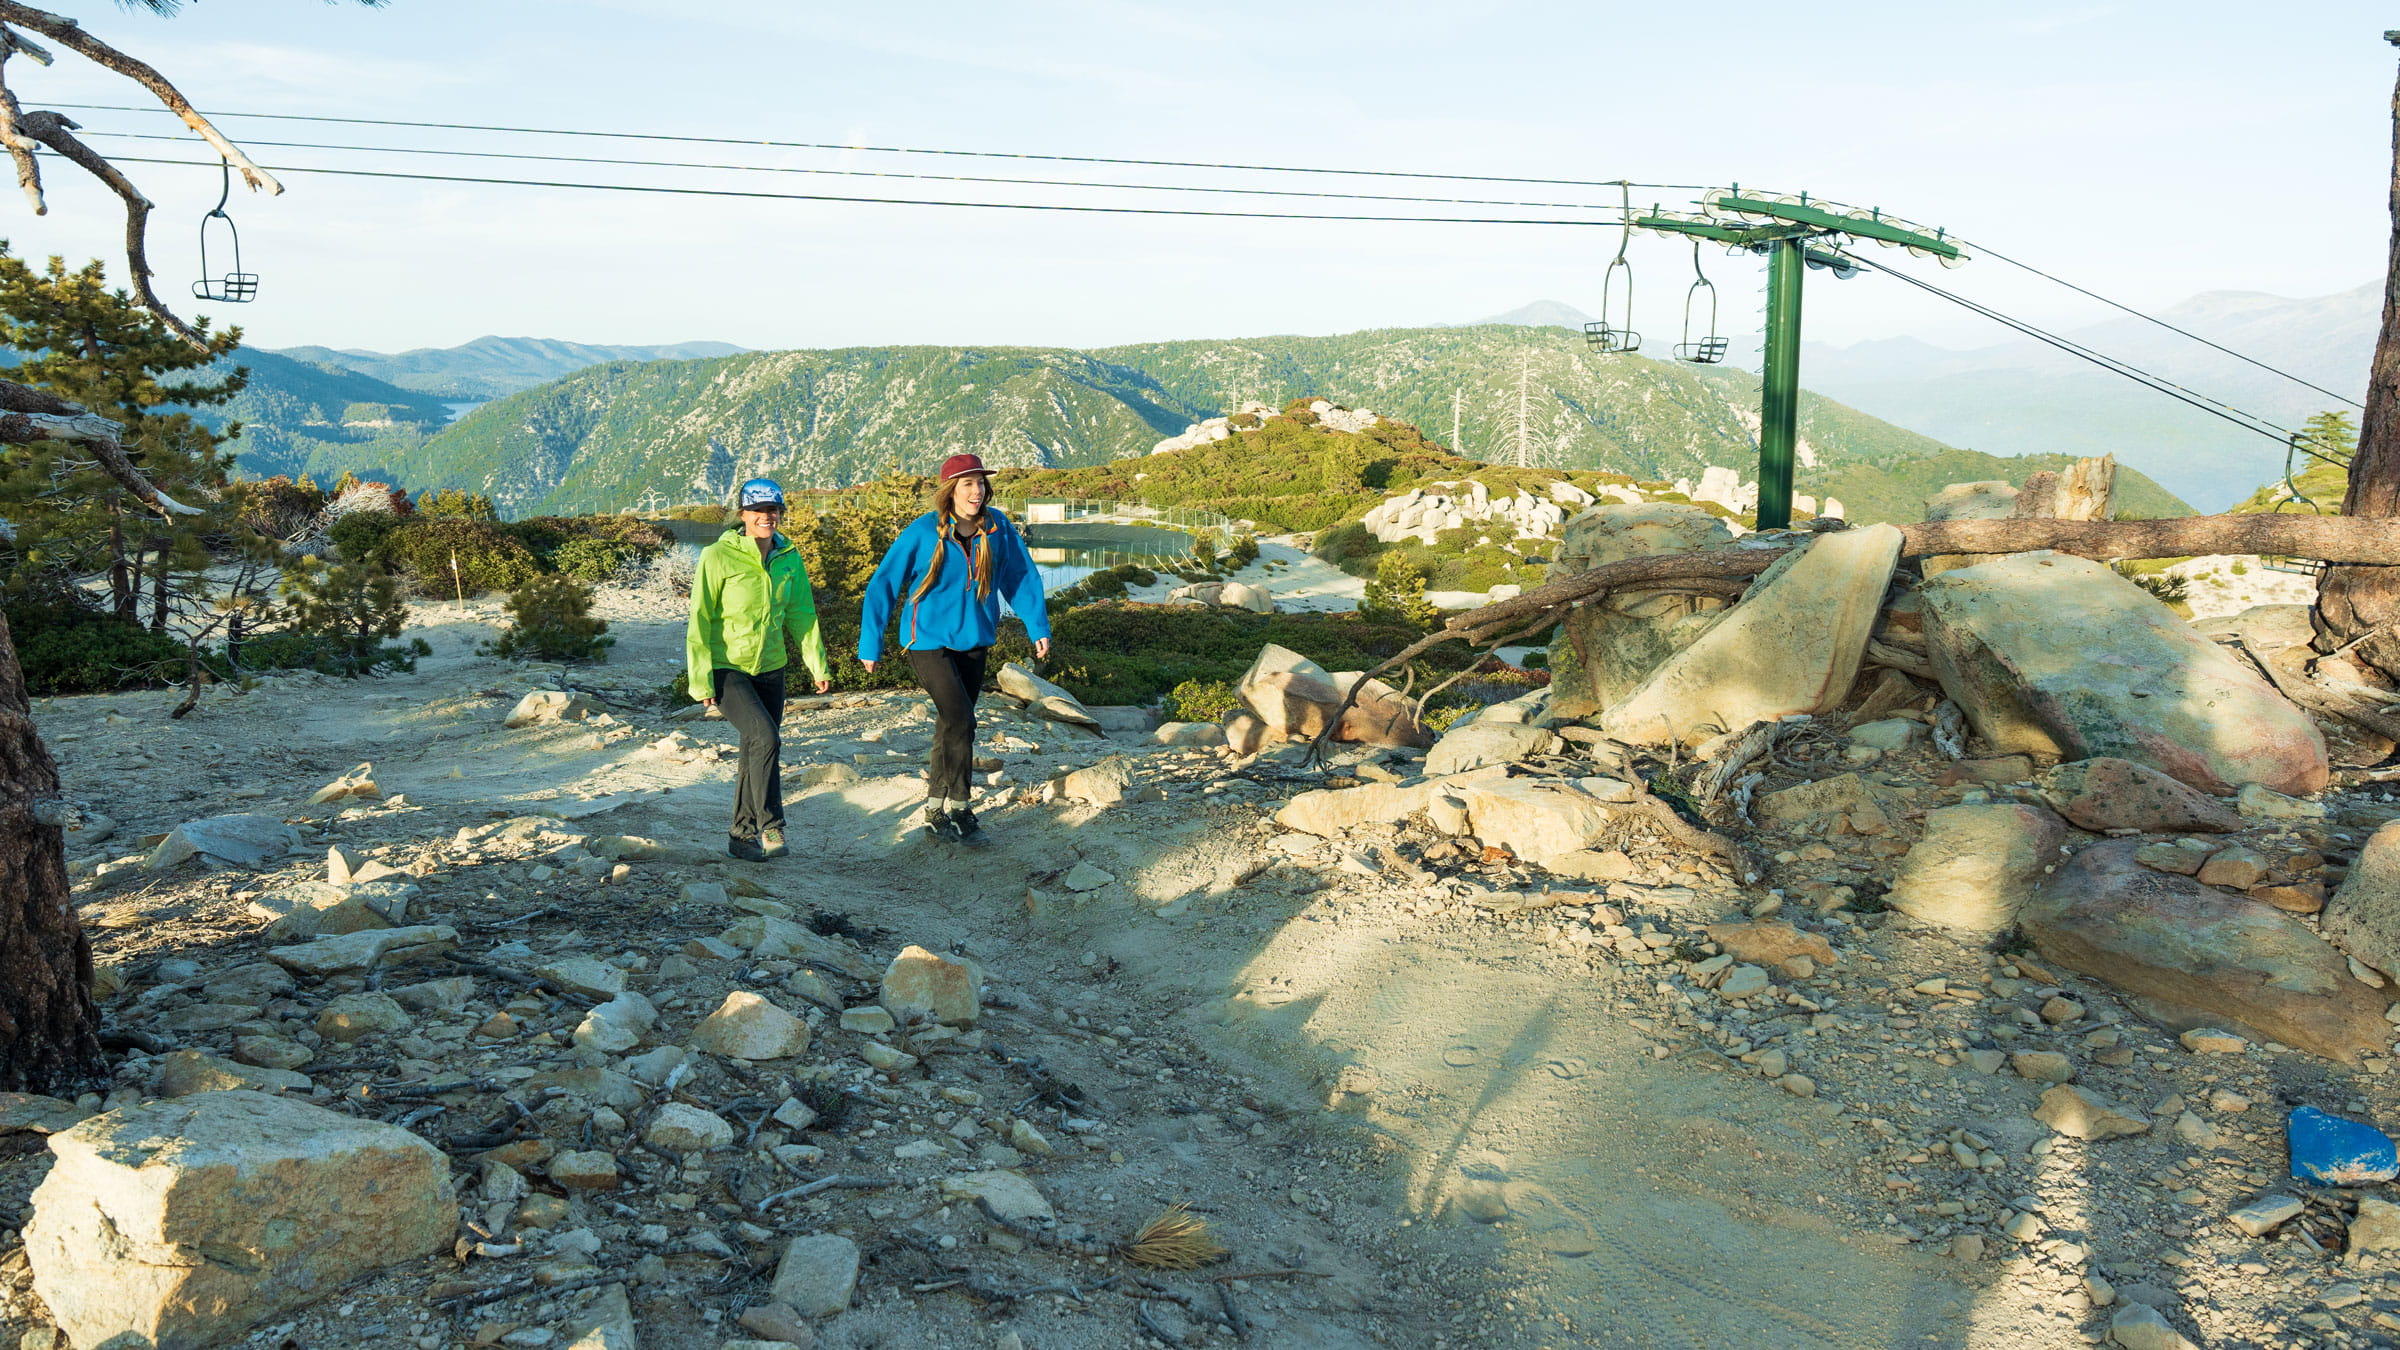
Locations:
{"points": [[2149, 151]]}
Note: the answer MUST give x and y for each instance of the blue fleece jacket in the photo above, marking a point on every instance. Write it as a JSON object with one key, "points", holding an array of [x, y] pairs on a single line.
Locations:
{"points": [[949, 614]]}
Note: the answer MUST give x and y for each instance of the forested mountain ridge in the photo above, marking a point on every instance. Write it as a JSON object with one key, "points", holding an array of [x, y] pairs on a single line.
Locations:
{"points": [[491, 367]]}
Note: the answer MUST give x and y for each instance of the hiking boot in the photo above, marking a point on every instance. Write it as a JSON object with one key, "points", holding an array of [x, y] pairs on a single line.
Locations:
{"points": [[963, 821], [939, 822], [744, 848], [770, 842]]}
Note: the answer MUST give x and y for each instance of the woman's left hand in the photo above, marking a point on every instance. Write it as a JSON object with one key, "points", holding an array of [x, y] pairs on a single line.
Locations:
{"points": [[1041, 649], [824, 686]]}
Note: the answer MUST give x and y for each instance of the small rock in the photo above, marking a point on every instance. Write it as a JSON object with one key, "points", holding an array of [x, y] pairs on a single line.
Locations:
{"points": [[1798, 1084], [2138, 1326], [2376, 1230], [1083, 877], [2237, 868], [617, 1025], [1744, 981], [2192, 1130], [794, 1115], [585, 975], [683, 1128], [1024, 1138], [817, 1274], [920, 986], [2182, 858], [2210, 1041], [2058, 1010], [1986, 1061], [704, 893], [746, 1026], [869, 1020], [777, 1322], [584, 1169], [2260, 802], [2082, 1114], [2265, 1214], [885, 1057], [2043, 1066], [350, 1017]]}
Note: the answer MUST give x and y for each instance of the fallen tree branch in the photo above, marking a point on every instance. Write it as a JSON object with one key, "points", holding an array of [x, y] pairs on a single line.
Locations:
{"points": [[2342, 539]]}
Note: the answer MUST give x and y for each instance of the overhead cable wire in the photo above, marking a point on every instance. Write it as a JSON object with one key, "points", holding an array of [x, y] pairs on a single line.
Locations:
{"points": [[864, 173], [2087, 293], [906, 149], [872, 201], [2248, 421]]}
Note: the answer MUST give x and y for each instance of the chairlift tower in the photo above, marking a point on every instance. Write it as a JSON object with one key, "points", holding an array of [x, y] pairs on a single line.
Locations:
{"points": [[1795, 235]]}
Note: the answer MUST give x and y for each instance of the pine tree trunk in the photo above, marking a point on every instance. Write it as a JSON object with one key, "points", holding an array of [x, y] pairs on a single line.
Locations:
{"points": [[120, 577], [158, 588], [49, 1026], [2354, 602]]}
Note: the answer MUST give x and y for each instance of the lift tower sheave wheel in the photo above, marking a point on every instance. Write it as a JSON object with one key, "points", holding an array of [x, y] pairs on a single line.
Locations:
{"points": [[1783, 229]]}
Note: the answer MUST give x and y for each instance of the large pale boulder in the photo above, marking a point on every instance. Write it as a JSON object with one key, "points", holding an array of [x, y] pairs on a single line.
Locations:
{"points": [[180, 1223], [1606, 648], [1327, 812], [250, 842], [2200, 956], [1240, 594], [921, 986], [1533, 819], [2060, 657], [1793, 645], [746, 1026], [1483, 742], [1976, 866], [1290, 695], [381, 948], [2364, 913]]}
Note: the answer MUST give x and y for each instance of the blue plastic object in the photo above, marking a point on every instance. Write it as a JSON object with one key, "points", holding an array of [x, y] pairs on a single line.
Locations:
{"points": [[2330, 1151]]}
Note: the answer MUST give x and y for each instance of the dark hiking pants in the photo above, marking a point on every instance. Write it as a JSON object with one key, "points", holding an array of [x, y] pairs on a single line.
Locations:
{"points": [[954, 679], [754, 704]]}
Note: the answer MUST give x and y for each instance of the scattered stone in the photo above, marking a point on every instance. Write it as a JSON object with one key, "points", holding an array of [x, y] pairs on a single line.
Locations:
{"points": [[920, 986], [2363, 914], [2330, 1151], [2043, 1066], [584, 1169], [543, 707], [2082, 1114], [1189, 734], [2237, 867], [150, 1224], [185, 1073], [2302, 897], [2266, 1214], [1977, 866], [446, 995], [617, 1025], [869, 1020], [1742, 982], [1792, 644], [2201, 957], [2001, 769], [1986, 1061], [885, 1057], [828, 776], [2261, 802], [351, 1017], [2211, 1041], [1083, 878], [1330, 812], [2375, 1232], [778, 1322], [1010, 1194], [2181, 857], [770, 938], [1105, 784], [683, 1128], [2192, 1130], [2117, 794], [1046, 698], [2138, 1326], [585, 975], [1483, 742], [817, 1274], [1598, 866], [1024, 1138], [747, 1026], [359, 782], [1847, 800], [1531, 818], [251, 842], [1770, 943], [1888, 736]]}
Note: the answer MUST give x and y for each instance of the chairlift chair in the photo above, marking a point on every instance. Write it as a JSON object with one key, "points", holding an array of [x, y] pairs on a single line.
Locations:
{"points": [[2303, 567], [1709, 349], [1600, 333], [236, 287]]}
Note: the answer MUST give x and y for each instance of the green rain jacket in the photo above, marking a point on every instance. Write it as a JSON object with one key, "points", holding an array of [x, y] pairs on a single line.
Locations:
{"points": [[743, 609]]}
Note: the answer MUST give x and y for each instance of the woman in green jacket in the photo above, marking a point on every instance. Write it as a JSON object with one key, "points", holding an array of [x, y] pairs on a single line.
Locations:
{"points": [[750, 595]]}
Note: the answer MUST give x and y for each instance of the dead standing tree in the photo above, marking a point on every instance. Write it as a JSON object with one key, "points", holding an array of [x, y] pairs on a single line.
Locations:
{"points": [[2360, 606], [49, 1026]]}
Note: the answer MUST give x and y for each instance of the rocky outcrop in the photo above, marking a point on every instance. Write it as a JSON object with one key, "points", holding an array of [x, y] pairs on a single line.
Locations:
{"points": [[2059, 657], [2199, 956], [1422, 513], [1608, 646], [181, 1222], [2117, 794], [1793, 645], [2364, 912]]}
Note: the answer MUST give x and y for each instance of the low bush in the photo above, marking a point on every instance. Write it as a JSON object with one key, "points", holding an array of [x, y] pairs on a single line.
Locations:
{"points": [[1200, 701], [592, 560], [491, 557], [69, 649], [360, 535], [551, 620], [324, 653]]}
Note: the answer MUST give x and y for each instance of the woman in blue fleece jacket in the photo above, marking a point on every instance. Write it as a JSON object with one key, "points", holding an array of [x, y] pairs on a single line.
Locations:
{"points": [[945, 575]]}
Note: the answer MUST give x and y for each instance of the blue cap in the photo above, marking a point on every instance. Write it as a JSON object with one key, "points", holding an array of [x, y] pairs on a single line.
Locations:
{"points": [[761, 492]]}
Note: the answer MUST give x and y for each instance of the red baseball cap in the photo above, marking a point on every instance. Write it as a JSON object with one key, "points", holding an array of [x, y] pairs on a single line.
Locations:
{"points": [[959, 466]]}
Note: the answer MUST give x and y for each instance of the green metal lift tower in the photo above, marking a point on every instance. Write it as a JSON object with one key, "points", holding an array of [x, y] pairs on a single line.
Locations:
{"points": [[1783, 228]]}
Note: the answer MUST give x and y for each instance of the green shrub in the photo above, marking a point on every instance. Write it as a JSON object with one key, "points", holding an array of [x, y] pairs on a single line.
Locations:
{"points": [[1103, 585], [707, 513], [1397, 594], [351, 606], [1201, 701], [1245, 550], [455, 504], [361, 534], [69, 649], [324, 653], [2170, 588], [491, 557], [551, 619], [1440, 719], [592, 560]]}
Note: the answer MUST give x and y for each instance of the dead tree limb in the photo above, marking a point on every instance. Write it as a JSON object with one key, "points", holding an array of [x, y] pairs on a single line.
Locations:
{"points": [[21, 147], [58, 133], [2346, 539]]}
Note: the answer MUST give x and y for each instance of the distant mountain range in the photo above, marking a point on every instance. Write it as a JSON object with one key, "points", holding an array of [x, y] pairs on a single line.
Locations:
{"points": [[493, 367], [624, 432], [2024, 397]]}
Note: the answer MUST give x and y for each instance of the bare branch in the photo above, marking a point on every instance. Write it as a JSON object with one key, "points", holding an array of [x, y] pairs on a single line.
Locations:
{"points": [[56, 132], [28, 414], [20, 146], [68, 34]]}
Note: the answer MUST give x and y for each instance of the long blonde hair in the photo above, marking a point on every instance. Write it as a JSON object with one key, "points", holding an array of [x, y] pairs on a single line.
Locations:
{"points": [[945, 511]]}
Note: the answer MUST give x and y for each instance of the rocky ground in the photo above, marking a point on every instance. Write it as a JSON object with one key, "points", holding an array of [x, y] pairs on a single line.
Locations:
{"points": [[1426, 1093]]}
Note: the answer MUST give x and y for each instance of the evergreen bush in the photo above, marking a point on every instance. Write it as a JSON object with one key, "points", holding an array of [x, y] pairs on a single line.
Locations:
{"points": [[1397, 594], [491, 557], [1200, 701], [351, 606], [69, 648], [551, 619]]}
